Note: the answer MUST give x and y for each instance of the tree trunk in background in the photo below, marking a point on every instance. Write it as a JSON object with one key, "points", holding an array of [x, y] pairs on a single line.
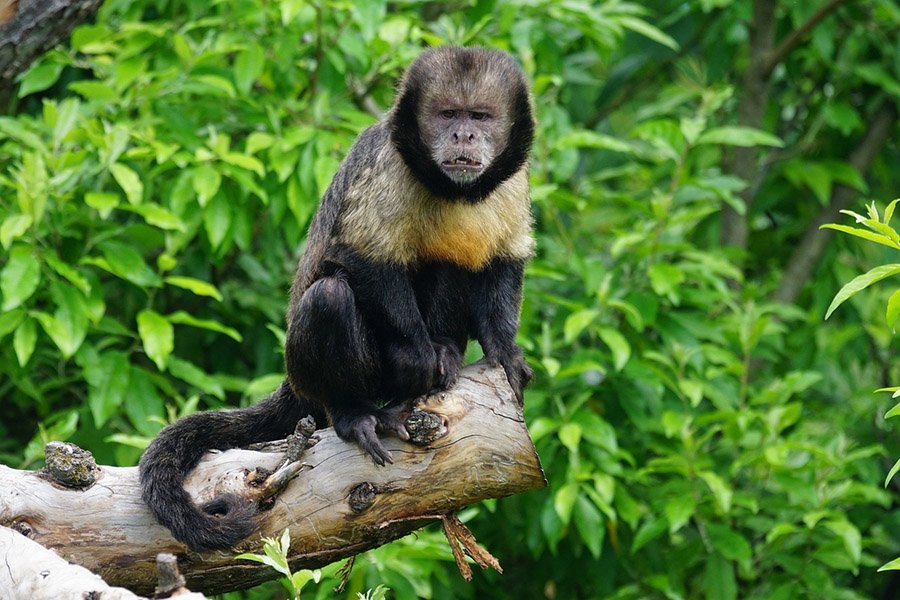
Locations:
{"points": [[751, 109], [38, 26], [808, 252]]}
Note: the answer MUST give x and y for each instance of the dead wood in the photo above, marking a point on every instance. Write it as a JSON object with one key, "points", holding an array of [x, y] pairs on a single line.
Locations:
{"points": [[339, 504]]}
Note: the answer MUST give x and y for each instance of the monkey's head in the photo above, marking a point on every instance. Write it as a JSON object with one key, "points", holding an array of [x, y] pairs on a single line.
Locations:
{"points": [[462, 121]]}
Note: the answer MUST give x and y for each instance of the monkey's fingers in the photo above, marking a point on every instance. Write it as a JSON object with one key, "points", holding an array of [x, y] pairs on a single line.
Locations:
{"points": [[367, 439]]}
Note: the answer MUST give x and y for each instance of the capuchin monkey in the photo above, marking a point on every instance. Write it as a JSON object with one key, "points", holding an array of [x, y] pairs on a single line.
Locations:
{"points": [[418, 245]]}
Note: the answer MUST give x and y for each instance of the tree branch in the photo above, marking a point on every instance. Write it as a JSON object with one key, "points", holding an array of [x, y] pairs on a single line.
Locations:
{"points": [[808, 252], [339, 505], [751, 109], [797, 35], [38, 26]]}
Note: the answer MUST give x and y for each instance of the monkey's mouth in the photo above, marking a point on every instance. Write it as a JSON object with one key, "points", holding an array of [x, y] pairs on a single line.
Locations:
{"points": [[462, 163]]}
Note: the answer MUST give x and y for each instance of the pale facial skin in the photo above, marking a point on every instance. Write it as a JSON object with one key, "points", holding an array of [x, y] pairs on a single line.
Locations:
{"points": [[464, 138]]}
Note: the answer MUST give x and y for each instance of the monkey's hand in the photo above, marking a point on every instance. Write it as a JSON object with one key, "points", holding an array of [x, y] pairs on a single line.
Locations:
{"points": [[518, 373], [363, 429], [449, 362]]}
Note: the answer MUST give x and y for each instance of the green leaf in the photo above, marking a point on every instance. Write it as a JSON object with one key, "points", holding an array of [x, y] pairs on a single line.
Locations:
{"points": [[893, 309], [206, 181], [621, 349], [199, 287], [66, 118], [849, 535], [217, 219], [570, 436], [19, 278], [24, 341], [158, 216], [647, 30], [193, 375], [596, 431], [103, 202], [182, 318], [10, 321], [95, 90], [665, 278], [108, 376], [589, 523], [895, 411], [68, 272], [577, 322], [564, 501], [647, 533], [679, 511], [891, 473], [245, 161], [889, 211], [779, 531], [720, 490], [129, 181], [592, 139], [39, 78], [69, 324], [143, 403], [247, 67], [157, 335], [14, 226], [125, 262], [893, 565], [864, 234], [729, 543], [857, 284], [739, 136], [719, 582]]}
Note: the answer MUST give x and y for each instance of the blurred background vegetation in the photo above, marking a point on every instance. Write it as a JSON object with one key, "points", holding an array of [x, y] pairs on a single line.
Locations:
{"points": [[705, 433]]}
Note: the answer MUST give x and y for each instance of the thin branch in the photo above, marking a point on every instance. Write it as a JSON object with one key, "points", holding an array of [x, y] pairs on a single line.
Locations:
{"points": [[797, 35]]}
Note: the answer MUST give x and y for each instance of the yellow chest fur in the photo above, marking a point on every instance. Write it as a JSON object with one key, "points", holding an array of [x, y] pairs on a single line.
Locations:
{"points": [[462, 235]]}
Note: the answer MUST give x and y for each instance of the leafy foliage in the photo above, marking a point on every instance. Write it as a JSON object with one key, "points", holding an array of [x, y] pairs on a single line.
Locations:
{"points": [[158, 174], [884, 230]]}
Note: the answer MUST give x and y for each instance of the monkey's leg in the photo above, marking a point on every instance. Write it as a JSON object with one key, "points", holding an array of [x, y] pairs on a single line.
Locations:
{"points": [[442, 292], [332, 358], [496, 299]]}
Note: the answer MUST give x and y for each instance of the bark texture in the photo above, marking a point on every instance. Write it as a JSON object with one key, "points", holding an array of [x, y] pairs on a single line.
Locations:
{"points": [[36, 27]]}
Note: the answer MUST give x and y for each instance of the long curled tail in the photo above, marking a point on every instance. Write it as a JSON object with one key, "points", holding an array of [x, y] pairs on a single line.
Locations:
{"points": [[226, 520]]}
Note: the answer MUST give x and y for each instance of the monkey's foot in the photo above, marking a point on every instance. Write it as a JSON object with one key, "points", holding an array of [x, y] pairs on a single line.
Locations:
{"points": [[364, 428]]}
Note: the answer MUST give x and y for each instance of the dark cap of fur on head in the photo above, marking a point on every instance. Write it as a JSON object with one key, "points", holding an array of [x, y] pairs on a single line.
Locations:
{"points": [[465, 73]]}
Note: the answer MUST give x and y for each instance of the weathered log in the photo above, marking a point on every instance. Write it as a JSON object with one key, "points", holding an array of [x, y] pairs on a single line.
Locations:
{"points": [[33, 572], [339, 504]]}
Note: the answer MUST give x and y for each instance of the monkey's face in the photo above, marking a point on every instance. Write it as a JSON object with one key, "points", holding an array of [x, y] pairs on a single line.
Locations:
{"points": [[464, 138]]}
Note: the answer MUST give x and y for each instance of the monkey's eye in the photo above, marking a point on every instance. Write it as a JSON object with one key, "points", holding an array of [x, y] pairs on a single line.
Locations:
{"points": [[448, 114], [479, 116]]}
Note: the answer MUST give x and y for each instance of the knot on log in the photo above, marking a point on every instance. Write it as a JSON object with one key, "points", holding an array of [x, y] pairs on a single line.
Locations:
{"points": [[362, 497], [424, 427], [69, 465]]}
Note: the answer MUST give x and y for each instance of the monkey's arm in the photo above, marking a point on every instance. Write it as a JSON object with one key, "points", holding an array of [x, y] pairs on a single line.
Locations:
{"points": [[495, 310]]}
